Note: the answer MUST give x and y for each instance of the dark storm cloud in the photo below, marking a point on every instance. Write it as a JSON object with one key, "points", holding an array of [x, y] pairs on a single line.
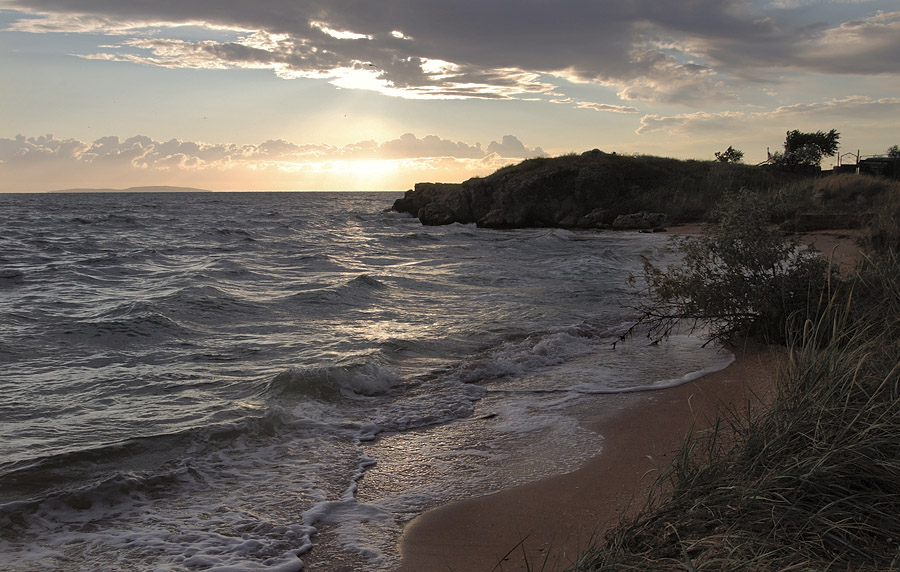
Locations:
{"points": [[647, 49]]}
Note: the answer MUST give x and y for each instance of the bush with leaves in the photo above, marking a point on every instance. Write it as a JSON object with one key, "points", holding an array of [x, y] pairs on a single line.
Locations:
{"points": [[740, 278], [730, 155]]}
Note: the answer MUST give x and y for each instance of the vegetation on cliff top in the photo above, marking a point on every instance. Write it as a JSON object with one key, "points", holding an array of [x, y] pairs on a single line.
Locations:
{"points": [[687, 190], [592, 189], [682, 189]]}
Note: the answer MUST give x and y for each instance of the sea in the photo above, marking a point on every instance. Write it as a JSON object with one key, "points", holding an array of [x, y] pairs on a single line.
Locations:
{"points": [[283, 381]]}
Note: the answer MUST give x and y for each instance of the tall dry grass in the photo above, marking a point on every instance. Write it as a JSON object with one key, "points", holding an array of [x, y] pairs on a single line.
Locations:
{"points": [[811, 482]]}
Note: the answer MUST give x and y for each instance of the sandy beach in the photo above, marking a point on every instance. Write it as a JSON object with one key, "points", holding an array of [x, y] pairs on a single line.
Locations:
{"points": [[545, 525], [549, 522]]}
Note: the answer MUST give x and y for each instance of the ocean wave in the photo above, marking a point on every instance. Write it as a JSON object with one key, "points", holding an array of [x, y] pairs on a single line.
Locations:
{"points": [[440, 403], [602, 364], [230, 232], [154, 372], [325, 297], [116, 328], [414, 237], [207, 302], [332, 383], [174, 517], [9, 276], [655, 385], [106, 489], [139, 461], [536, 351], [366, 282], [112, 219]]}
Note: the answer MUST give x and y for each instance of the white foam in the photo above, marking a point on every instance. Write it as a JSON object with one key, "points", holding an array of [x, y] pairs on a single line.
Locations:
{"points": [[518, 358]]}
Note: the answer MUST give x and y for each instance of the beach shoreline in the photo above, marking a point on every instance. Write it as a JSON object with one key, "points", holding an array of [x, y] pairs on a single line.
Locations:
{"points": [[548, 523]]}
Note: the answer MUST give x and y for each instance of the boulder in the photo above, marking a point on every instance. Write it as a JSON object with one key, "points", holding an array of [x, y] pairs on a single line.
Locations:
{"points": [[494, 218], [593, 219], [437, 203]]}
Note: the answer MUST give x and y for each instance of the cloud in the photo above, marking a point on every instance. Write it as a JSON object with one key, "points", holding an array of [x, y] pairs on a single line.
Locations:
{"points": [[408, 145], [793, 4], [286, 164], [692, 122], [858, 47], [666, 80], [859, 109], [606, 107], [510, 146], [433, 49], [144, 151]]}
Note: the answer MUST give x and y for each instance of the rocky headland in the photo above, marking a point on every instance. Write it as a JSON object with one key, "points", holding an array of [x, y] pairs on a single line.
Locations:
{"points": [[591, 190]]}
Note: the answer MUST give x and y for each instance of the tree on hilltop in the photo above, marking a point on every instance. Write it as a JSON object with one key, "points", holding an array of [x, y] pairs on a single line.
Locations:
{"points": [[894, 151], [730, 155], [807, 149]]}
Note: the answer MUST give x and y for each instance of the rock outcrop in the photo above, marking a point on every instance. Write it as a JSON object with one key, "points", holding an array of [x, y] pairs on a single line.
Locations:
{"points": [[640, 221], [592, 190]]}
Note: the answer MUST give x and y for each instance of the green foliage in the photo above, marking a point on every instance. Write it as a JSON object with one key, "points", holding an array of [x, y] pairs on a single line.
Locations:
{"points": [[730, 155], [807, 148], [624, 184], [826, 142], [741, 278]]}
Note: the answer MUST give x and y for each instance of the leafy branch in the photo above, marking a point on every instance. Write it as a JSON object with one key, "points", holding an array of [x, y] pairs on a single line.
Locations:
{"points": [[740, 278]]}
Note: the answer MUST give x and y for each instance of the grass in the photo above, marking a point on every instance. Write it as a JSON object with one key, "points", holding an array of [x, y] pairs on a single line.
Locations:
{"points": [[810, 482], [622, 184], [883, 231], [684, 189]]}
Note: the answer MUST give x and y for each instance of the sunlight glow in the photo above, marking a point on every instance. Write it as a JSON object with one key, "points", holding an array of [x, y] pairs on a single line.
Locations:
{"points": [[358, 175], [361, 169]]}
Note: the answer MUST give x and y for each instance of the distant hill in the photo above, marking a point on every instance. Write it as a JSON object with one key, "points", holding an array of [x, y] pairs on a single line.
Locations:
{"points": [[152, 189]]}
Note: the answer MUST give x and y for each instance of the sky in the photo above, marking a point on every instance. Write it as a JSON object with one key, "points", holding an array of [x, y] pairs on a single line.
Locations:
{"points": [[381, 94]]}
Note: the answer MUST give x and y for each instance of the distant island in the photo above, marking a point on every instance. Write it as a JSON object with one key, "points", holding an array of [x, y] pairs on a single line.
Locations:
{"points": [[150, 189]]}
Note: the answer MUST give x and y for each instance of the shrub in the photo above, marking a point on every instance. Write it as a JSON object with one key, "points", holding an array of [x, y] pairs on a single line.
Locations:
{"points": [[730, 155], [740, 278]]}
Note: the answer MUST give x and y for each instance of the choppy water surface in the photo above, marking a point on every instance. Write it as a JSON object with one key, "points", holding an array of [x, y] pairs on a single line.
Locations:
{"points": [[248, 381]]}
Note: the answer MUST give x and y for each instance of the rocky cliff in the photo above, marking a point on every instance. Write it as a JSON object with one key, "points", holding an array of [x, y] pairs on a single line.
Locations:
{"points": [[591, 190]]}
